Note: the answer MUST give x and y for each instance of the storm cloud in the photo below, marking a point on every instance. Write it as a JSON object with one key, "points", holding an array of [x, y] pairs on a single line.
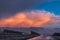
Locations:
{"points": [[11, 7]]}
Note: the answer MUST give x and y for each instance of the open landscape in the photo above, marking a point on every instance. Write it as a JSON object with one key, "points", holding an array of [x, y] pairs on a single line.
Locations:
{"points": [[29, 19]]}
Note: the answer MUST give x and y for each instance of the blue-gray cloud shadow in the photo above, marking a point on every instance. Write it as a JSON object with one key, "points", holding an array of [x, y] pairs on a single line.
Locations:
{"points": [[11, 7]]}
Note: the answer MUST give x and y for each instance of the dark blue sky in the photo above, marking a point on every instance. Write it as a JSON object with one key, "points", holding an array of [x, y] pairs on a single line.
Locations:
{"points": [[11, 7], [52, 6]]}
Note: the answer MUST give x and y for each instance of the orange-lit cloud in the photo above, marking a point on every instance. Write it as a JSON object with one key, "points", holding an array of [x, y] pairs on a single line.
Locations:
{"points": [[30, 19]]}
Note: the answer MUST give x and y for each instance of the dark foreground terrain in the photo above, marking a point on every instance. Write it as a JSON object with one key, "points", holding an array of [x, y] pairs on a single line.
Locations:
{"points": [[15, 35]]}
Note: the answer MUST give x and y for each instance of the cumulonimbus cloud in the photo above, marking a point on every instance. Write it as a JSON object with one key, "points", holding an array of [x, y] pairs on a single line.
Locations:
{"points": [[29, 19]]}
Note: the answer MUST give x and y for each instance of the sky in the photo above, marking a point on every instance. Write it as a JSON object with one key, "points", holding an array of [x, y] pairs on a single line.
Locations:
{"points": [[52, 6], [29, 13], [11, 7]]}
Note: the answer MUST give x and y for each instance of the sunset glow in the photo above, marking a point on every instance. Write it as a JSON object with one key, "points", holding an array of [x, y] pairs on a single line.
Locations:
{"points": [[30, 19]]}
